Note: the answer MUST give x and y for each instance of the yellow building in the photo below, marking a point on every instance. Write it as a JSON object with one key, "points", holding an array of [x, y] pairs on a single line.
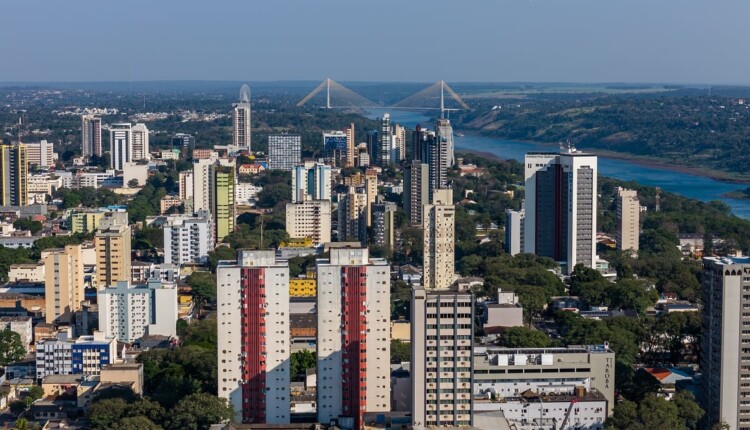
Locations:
{"points": [[85, 222], [63, 283], [303, 287], [184, 305], [293, 242], [222, 201], [113, 249], [14, 175]]}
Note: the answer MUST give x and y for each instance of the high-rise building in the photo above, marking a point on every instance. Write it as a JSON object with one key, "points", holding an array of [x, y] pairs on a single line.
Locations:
{"points": [[309, 218], [253, 344], [399, 143], [724, 339], [63, 283], [628, 219], [14, 174], [140, 142], [383, 224], [514, 224], [284, 151], [439, 225], [335, 147], [560, 205], [41, 153], [363, 157], [222, 201], [352, 215], [241, 115], [444, 133], [113, 247], [442, 329], [350, 144], [372, 146], [385, 142], [353, 336], [91, 136], [186, 185], [129, 312], [311, 180], [188, 239], [438, 153], [120, 145], [202, 184], [421, 141], [416, 191], [371, 189]]}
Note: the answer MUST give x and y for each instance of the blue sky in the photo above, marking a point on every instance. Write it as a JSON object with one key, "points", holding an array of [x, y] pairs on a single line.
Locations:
{"points": [[673, 41]]}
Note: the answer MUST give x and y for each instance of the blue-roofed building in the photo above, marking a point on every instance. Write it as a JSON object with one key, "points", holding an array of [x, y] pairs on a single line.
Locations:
{"points": [[65, 355]]}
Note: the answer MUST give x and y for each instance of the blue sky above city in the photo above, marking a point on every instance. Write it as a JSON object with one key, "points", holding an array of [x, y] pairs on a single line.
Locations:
{"points": [[685, 41]]}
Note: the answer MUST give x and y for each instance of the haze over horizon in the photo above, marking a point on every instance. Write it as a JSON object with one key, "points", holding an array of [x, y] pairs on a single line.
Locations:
{"points": [[578, 41]]}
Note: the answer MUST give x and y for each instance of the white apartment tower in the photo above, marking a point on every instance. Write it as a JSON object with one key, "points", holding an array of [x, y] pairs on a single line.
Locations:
{"points": [[253, 343], [140, 142], [188, 239], [514, 221], [311, 180], [241, 137], [444, 134], [120, 145], [385, 142], [442, 325], [560, 206], [202, 183], [353, 336], [439, 225], [186, 185], [628, 219], [131, 312], [310, 218], [91, 136]]}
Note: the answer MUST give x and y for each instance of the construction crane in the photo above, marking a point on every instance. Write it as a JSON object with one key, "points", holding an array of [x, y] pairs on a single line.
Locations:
{"points": [[567, 414]]}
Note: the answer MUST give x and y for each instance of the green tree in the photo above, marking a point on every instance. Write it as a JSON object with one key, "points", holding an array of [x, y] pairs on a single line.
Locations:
{"points": [[524, 337], [104, 413], [689, 410], [657, 413], [199, 411], [219, 254], [624, 417], [36, 392], [27, 224], [203, 285], [400, 351], [300, 361], [133, 183], [135, 423], [12, 348], [17, 407]]}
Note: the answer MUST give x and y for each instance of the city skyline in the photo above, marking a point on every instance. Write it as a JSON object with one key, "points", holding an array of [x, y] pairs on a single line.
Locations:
{"points": [[523, 41]]}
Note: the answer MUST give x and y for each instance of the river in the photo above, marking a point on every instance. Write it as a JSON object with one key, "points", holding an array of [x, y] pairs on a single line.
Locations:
{"points": [[685, 184]]}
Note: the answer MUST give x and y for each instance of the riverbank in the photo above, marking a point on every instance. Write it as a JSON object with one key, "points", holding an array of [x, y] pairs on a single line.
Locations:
{"points": [[706, 172]]}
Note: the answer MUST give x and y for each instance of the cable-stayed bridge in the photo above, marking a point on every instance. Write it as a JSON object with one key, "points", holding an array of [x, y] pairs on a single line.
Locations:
{"points": [[332, 95]]}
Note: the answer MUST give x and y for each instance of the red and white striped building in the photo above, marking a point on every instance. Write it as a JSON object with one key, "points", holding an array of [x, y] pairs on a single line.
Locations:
{"points": [[353, 351], [253, 336]]}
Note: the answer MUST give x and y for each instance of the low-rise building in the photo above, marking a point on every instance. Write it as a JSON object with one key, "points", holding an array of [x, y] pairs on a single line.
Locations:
{"points": [[245, 193], [168, 202], [508, 373], [123, 373], [31, 272], [65, 355], [302, 287], [21, 325]]}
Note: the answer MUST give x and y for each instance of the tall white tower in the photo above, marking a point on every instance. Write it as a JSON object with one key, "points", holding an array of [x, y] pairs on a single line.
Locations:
{"points": [[241, 121], [120, 145]]}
